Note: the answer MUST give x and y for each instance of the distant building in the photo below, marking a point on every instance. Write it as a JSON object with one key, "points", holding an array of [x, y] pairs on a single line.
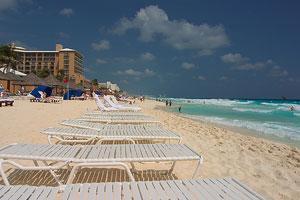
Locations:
{"points": [[68, 60], [109, 85]]}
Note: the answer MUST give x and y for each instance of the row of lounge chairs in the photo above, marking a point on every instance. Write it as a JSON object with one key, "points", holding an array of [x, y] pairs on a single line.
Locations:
{"points": [[110, 104], [54, 157]]}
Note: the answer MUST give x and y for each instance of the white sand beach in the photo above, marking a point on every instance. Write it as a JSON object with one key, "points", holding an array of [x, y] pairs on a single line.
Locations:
{"points": [[271, 169]]}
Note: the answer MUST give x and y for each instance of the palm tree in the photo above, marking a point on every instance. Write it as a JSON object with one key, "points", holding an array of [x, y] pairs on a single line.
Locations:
{"points": [[8, 58]]}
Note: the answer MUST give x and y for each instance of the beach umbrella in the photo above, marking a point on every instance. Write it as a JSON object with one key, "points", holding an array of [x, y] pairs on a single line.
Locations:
{"points": [[41, 88], [72, 93]]}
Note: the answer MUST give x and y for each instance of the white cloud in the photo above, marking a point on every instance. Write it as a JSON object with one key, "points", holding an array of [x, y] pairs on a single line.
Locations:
{"points": [[202, 78], [241, 62], [136, 73], [234, 58], [11, 4], [205, 52], [102, 45], [100, 61], [147, 56], [8, 4], [152, 21], [187, 66], [277, 71], [149, 72], [223, 78], [66, 12]]}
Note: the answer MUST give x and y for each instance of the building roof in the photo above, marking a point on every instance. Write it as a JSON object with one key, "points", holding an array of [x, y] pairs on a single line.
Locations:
{"points": [[9, 76], [67, 49], [51, 80], [31, 79], [37, 51]]}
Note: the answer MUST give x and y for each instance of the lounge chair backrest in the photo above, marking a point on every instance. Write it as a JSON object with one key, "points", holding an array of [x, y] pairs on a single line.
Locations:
{"points": [[100, 105], [109, 101]]}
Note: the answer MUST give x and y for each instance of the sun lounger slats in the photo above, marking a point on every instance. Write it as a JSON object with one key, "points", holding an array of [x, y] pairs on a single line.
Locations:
{"points": [[127, 132], [209, 189], [27, 192], [40, 152], [98, 153], [100, 127], [120, 113], [137, 152]]}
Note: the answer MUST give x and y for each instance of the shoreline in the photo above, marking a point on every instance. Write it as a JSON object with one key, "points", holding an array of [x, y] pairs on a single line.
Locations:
{"points": [[244, 131], [241, 130]]}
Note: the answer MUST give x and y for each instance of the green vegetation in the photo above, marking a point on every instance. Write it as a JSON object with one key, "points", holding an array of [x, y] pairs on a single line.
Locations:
{"points": [[95, 82], [8, 57]]}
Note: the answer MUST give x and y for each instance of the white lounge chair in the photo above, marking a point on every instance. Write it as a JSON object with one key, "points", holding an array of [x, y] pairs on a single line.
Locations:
{"points": [[119, 119], [119, 106], [76, 135], [103, 108], [226, 188], [92, 156], [25, 192], [123, 113], [208, 189], [101, 126]]}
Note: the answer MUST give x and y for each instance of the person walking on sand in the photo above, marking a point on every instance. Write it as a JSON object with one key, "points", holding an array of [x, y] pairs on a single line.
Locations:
{"points": [[179, 109], [170, 103], [166, 102]]}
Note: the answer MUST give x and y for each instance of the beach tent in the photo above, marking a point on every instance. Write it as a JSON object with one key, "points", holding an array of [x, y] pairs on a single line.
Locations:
{"points": [[72, 93], [42, 88]]}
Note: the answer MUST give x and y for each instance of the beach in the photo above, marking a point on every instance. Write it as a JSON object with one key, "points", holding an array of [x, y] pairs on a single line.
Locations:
{"points": [[271, 169]]}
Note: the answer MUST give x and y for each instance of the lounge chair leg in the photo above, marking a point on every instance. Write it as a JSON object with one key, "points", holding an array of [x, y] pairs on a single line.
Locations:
{"points": [[35, 163], [2, 173], [56, 177], [196, 170], [49, 139], [172, 168], [133, 168]]}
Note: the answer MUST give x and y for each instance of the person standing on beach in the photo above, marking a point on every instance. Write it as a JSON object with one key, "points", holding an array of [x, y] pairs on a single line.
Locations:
{"points": [[166, 102], [179, 109], [170, 103]]}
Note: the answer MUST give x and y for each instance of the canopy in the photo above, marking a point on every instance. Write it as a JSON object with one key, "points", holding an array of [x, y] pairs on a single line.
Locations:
{"points": [[31, 79], [72, 93], [41, 88]]}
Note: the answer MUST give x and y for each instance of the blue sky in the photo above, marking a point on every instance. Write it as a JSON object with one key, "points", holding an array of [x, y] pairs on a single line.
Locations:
{"points": [[194, 49]]}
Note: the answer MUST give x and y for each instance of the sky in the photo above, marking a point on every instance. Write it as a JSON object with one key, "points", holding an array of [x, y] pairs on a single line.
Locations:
{"points": [[191, 49]]}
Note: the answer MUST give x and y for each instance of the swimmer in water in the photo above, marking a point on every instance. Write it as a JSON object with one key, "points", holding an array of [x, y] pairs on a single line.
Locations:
{"points": [[292, 108]]}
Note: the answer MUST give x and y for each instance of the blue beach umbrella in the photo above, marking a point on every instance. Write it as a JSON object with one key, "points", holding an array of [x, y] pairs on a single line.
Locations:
{"points": [[41, 88], [72, 93]]}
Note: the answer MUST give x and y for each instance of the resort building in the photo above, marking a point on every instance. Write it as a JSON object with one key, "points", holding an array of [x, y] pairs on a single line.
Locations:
{"points": [[109, 85], [61, 60]]}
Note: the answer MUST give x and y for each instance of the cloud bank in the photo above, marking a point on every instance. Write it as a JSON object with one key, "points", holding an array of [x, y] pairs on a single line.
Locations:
{"points": [[153, 23]]}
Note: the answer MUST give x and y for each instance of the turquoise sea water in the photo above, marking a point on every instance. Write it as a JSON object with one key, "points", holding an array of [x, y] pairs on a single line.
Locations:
{"points": [[269, 118]]}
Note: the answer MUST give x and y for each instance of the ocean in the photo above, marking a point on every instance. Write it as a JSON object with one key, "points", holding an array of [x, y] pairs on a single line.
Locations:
{"points": [[271, 119]]}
